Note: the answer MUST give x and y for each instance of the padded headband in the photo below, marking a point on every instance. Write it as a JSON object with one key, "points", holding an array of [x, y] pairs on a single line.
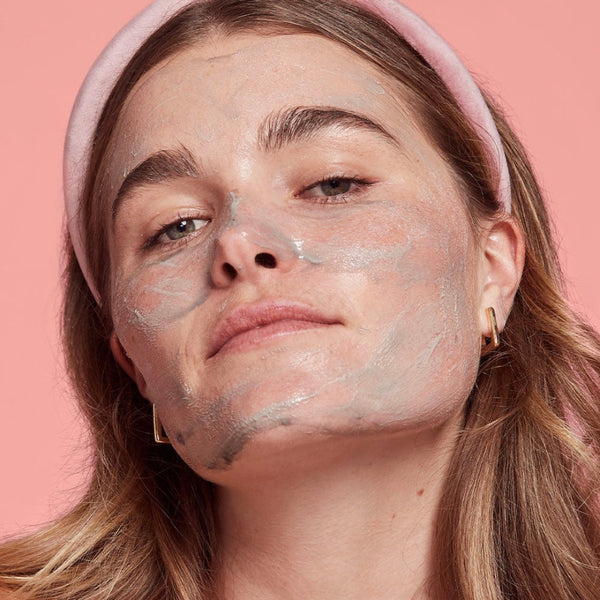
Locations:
{"points": [[110, 64]]}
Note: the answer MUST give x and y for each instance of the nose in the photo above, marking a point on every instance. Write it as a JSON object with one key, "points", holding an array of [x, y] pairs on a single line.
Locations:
{"points": [[237, 257]]}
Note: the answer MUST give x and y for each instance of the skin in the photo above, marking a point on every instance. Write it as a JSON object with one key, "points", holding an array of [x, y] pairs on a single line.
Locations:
{"points": [[347, 423]]}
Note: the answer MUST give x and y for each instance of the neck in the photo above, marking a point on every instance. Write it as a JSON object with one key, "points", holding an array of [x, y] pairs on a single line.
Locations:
{"points": [[356, 524]]}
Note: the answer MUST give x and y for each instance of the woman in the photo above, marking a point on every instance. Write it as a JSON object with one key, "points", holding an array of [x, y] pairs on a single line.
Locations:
{"points": [[294, 245]]}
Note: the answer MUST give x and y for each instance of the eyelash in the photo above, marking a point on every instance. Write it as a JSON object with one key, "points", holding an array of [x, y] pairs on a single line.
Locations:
{"points": [[342, 198], [154, 240]]}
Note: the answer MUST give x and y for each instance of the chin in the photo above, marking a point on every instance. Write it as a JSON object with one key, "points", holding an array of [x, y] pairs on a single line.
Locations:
{"points": [[287, 439]]}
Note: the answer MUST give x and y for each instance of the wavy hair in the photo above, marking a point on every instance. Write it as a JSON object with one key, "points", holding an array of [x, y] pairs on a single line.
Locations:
{"points": [[519, 515]]}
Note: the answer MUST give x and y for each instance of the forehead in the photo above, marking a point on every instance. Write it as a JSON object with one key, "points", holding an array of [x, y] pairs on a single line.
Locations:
{"points": [[252, 68], [213, 97]]}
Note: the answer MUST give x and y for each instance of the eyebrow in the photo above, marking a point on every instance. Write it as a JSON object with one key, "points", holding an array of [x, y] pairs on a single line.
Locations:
{"points": [[159, 167], [303, 122], [276, 131]]}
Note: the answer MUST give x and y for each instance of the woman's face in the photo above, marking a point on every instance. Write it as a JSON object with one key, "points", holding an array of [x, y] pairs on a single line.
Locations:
{"points": [[291, 260]]}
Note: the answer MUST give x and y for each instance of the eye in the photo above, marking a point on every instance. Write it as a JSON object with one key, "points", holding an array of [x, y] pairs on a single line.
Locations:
{"points": [[333, 189], [182, 228], [177, 231]]}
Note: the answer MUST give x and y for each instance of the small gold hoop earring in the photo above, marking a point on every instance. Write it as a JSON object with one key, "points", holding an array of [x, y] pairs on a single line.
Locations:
{"points": [[160, 437], [489, 344]]}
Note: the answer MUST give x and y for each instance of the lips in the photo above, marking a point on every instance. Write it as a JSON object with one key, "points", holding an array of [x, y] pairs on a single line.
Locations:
{"points": [[249, 325]]}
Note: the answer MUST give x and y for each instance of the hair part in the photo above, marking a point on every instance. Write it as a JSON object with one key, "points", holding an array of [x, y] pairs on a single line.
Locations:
{"points": [[517, 517]]}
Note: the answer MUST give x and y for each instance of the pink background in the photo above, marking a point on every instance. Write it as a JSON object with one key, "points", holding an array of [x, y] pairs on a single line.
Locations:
{"points": [[539, 57]]}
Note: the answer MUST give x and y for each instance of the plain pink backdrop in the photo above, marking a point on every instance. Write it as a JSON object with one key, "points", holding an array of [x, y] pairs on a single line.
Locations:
{"points": [[539, 57]]}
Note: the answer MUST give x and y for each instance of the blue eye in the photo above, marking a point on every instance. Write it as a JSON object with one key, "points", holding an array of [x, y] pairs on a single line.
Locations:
{"points": [[177, 231], [183, 228]]}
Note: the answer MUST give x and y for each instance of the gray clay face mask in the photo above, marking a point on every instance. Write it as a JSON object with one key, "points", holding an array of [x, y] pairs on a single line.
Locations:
{"points": [[344, 249]]}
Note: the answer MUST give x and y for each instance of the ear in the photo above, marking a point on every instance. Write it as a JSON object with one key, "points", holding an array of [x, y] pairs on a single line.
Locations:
{"points": [[502, 259], [127, 364]]}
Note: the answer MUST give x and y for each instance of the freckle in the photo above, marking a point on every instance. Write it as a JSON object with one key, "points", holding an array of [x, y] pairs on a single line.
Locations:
{"points": [[394, 516], [420, 492]]}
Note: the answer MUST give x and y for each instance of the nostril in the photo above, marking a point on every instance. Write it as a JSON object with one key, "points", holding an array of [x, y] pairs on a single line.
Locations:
{"points": [[229, 270], [266, 260]]}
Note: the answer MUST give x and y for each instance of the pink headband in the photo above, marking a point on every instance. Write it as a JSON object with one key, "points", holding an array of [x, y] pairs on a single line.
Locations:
{"points": [[110, 64]]}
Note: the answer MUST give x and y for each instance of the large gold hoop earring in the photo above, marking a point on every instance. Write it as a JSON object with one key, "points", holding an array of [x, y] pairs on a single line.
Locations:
{"points": [[489, 344], [160, 437]]}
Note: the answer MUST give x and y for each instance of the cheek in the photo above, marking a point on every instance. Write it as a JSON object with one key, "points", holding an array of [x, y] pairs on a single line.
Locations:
{"points": [[150, 306], [430, 350], [417, 292], [159, 293]]}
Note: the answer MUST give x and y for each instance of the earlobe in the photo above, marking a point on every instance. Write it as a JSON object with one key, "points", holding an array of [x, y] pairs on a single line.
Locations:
{"points": [[503, 257], [126, 363]]}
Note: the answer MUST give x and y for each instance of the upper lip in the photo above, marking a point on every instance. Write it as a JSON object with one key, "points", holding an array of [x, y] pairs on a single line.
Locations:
{"points": [[251, 316]]}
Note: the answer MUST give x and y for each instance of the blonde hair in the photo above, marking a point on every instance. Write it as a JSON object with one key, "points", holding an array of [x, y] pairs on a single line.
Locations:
{"points": [[517, 517]]}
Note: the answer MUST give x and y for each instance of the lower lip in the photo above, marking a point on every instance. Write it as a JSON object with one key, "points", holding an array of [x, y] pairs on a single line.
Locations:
{"points": [[265, 333]]}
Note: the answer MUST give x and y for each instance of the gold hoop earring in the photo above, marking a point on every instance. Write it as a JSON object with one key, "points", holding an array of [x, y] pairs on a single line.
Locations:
{"points": [[489, 344], [160, 436]]}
